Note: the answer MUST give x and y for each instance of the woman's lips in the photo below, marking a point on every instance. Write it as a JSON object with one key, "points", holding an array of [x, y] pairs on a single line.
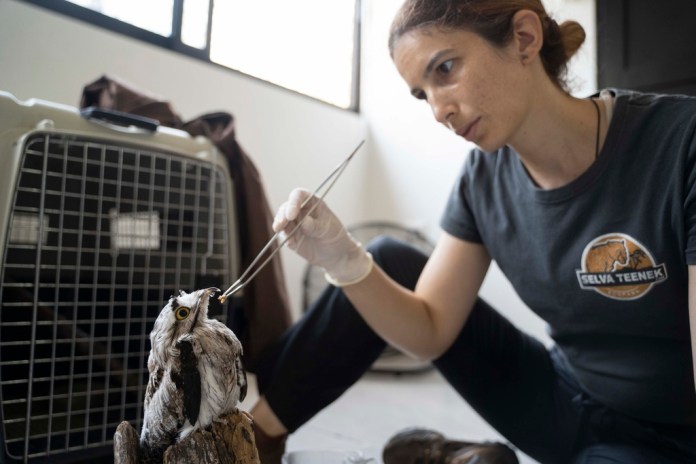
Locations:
{"points": [[469, 131]]}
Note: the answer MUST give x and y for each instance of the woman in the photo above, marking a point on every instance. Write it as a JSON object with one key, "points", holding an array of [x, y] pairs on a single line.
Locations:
{"points": [[589, 208]]}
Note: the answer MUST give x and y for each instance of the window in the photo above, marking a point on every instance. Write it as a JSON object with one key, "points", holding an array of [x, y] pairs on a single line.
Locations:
{"points": [[307, 46], [152, 15]]}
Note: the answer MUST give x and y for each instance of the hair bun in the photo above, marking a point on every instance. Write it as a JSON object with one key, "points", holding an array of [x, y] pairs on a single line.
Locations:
{"points": [[572, 36]]}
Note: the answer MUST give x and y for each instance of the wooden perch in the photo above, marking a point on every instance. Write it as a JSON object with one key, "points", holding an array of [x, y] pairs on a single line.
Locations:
{"points": [[229, 440]]}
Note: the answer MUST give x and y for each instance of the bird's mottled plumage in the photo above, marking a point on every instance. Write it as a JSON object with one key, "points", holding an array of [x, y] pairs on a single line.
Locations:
{"points": [[196, 373]]}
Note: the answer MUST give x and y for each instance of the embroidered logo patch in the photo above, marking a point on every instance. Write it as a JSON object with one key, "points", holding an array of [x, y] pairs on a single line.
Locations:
{"points": [[619, 267]]}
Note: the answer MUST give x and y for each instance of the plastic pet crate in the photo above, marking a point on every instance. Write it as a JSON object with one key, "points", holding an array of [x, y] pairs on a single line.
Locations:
{"points": [[102, 218]]}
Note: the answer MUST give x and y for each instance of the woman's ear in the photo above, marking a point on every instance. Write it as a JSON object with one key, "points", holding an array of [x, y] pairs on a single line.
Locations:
{"points": [[528, 36]]}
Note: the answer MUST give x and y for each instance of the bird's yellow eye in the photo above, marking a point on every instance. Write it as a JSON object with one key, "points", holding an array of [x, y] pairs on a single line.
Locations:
{"points": [[182, 312]]}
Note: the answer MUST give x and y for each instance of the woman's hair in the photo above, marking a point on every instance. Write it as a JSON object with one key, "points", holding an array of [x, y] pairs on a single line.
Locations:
{"points": [[492, 20]]}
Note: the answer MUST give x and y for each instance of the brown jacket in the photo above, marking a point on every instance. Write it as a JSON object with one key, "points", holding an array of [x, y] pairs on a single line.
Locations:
{"points": [[265, 312]]}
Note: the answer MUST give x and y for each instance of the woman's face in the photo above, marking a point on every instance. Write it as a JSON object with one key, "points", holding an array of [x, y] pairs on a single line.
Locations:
{"points": [[479, 91]]}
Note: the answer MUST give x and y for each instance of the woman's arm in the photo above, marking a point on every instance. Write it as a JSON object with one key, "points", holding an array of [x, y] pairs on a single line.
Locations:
{"points": [[692, 315], [425, 322]]}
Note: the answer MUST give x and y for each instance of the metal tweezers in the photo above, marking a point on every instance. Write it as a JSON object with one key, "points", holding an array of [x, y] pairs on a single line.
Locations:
{"points": [[251, 272]]}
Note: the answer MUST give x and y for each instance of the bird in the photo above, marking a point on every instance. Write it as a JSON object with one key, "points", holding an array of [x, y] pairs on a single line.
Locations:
{"points": [[195, 373]]}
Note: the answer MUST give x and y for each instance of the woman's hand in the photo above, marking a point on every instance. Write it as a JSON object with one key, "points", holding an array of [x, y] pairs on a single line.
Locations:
{"points": [[322, 239]]}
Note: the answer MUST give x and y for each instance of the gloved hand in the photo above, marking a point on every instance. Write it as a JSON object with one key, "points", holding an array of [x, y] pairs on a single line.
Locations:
{"points": [[322, 240]]}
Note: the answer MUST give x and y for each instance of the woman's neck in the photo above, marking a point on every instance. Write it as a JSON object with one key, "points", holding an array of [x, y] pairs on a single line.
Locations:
{"points": [[558, 141]]}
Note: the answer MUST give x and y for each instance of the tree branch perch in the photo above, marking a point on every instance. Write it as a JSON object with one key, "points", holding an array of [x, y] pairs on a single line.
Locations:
{"points": [[229, 440]]}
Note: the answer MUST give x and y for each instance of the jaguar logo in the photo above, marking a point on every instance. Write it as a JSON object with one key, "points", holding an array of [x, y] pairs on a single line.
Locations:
{"points": [[607, 255], [619, 267]]}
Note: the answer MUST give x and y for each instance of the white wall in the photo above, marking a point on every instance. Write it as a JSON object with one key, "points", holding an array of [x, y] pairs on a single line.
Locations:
{"points": [[404, 172]]}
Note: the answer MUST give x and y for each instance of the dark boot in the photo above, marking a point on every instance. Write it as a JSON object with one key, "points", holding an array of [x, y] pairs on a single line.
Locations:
{"points": [[271, 449], [422, 446]]}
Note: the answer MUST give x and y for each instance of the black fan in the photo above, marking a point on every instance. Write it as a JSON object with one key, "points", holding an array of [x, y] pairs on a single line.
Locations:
{"points": [[391, 360]]}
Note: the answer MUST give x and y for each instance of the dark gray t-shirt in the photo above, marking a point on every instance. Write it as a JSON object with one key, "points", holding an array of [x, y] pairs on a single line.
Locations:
{"points": [[603, 260]]}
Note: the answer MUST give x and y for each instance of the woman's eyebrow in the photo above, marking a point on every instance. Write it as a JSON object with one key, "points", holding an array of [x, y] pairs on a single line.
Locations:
{"points": [[434, 59]]}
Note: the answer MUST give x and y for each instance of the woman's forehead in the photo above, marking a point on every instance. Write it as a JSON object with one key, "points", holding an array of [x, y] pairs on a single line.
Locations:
{"points": [[432, 36], [421, 44]]}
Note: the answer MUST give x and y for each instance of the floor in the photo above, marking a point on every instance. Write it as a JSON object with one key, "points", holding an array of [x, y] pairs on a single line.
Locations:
{"points": [[378, 406]]}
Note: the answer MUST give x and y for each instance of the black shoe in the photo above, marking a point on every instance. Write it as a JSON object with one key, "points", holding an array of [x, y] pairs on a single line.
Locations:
{"points": [[422, 446]]}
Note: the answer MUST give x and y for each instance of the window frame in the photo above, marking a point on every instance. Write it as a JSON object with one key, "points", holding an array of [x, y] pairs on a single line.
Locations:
{"points": [[174, 43]]}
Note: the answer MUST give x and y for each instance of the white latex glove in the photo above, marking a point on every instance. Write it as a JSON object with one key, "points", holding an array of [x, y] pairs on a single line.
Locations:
{"points": [[322, 240]]}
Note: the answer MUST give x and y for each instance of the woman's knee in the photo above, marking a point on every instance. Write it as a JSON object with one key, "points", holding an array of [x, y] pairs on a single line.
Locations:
{"points": [[402, 261], [384, 248]]}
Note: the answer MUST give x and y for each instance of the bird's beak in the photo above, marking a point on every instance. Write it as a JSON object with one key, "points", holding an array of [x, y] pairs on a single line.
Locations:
{"points": [[210, 291], [202, 301], [206, 293]]}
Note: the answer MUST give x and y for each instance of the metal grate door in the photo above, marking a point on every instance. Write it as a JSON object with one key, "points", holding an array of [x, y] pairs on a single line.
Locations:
{"points": [[98, 237]]}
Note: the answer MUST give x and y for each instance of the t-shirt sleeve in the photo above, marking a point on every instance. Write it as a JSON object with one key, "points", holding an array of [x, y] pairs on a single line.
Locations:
{"points": [[458, 219]]}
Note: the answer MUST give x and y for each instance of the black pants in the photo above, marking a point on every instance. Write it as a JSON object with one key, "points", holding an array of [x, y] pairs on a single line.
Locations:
{"points": [[523, 390]]}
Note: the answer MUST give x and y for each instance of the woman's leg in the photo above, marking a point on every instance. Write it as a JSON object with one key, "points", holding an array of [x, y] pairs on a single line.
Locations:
{"points": [[611, 437], [509, 378], [529, 395], [612, 453]]}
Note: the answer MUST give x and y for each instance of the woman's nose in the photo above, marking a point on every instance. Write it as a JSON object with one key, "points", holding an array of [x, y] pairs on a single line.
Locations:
{"points": [[443, 109]]}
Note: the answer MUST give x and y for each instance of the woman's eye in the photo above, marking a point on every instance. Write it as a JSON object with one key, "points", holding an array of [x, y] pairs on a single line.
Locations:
{"points": [[445, 67], [182, 312]]}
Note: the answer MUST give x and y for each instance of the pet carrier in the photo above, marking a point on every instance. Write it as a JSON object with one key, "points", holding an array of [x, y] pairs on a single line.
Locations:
{"points": [[102, 218]]}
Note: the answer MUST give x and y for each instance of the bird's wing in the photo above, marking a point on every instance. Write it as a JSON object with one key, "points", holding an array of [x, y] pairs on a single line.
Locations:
{"points": [[153, 383], [164, 414], [188, 380], [241, 377], [235, 346]]}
